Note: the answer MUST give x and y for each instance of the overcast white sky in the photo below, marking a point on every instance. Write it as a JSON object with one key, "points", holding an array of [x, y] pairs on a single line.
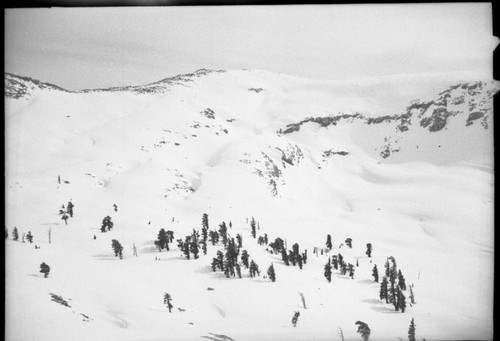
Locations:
{"points": [[79, 48]]}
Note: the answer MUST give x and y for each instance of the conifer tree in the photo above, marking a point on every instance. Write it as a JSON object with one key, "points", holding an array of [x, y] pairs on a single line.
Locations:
{"points": [[335, 262], [244, 258], [299, 261], [284, 257], [238, 270], [375, 273], [265, 238], [329, 242], [193, 247], [271, 273], [304, 256], [15, 234], [162, 240], [69, 209], [369, 250], [239, 240], [45, 269], [401, 300], [186, 247], [348, 242], [204, 221], [22, 238], [383, 294], [252, 225], [291, 258], [393, 295], [328, 271], [167, 300], [214, 237], [117, 248], [295, 318], [277, 245], [65, 218], [170, 236], [357, 263], [223, 233], [341, 260], [411, 330], [29, 237], [220, 260], [204, 247], [107, 224], [363, 330], [401, 281], [350, 268], [254, 269], [214, 264]]}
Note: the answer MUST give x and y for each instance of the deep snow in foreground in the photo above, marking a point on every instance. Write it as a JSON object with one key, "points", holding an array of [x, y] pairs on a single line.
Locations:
{"points": [[304, 158]]}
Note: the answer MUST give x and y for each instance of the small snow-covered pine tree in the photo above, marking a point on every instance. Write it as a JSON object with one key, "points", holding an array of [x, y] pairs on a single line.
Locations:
{"points": [[411, 331], [363, 330], [271, 273], [15, 234]]}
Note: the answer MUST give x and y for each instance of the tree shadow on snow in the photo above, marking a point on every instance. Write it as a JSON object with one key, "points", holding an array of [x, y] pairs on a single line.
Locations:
{"points": [[385, 309], [105, 257], [367, 281], [372, 301]]}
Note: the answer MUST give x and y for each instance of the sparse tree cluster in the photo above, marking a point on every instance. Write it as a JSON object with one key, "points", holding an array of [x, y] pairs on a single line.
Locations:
{"points": [[391, 291]]}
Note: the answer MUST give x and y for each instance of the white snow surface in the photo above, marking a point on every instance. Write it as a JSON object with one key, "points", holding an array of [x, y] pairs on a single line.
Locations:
{"points": [[164, 163]]}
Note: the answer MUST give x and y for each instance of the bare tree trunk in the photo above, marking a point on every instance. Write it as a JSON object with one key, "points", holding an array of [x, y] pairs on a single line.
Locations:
{"points": [[303, 300]]}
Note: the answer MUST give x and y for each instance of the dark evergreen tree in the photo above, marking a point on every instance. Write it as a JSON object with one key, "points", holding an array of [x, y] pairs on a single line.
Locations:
{"points": [[58, 179], [115, 208], [401, 281], [335, 262], [291, 258], [65, 218], [271, 273], [204, 247], [204, 221], [220, 260], [214, 237], [304, 256], [239, 240], [343, 268], [167, 300], [15, 234], [238, 270], [328, 242], [295, 249], [254, 269], [363, 330], [393, 295], [284, 257], [214, 264], [162, 240], [252, 226], [277, 245], [357, 263], [375, 273], [223, 233], [369, 250], [204, 234], [348, 242], [45, 269], [401, 300], [265, 238], [193, 248], [411, 331], [350, 268], [341, 260], [186, 246], [117, 248], [170, 236], [295, 318], [328, 271], [29, 237], [107, 224], [69, 209], [383, 294], [299, 261], [244, 258]]}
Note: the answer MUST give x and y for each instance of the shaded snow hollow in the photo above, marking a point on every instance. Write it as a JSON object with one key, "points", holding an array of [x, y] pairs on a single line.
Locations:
{"points": [[216, 143]]}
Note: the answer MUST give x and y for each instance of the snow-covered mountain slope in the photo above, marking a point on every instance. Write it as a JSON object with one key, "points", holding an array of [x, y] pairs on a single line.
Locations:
{"points": [[403, 163]]}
